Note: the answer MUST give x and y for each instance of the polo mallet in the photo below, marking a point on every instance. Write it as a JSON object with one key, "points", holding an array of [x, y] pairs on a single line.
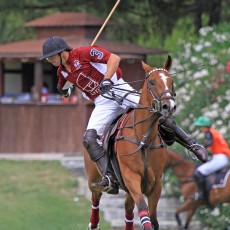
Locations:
{"points": [[105, 22]]}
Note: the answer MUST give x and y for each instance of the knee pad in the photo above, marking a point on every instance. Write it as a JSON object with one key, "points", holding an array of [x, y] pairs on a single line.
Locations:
{"points": [[95, 150], [89, 138]]}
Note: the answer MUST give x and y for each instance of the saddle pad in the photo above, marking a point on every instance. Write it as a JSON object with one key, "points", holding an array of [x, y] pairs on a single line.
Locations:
{"points": [[221, 181]]}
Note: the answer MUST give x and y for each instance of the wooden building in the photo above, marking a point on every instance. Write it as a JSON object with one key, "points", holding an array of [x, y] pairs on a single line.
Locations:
{"points": [[32, 121]]}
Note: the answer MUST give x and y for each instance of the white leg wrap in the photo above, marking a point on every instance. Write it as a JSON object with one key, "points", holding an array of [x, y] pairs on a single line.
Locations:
{"points": [[97, 228]]}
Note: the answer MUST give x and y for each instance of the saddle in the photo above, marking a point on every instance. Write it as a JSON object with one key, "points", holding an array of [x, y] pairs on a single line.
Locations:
{"points": [[108, 141], [217, 179], [112, 130]]}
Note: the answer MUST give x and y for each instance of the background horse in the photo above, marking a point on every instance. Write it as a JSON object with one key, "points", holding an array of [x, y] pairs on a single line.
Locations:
{"points": [[183, 170], [140, 152]]}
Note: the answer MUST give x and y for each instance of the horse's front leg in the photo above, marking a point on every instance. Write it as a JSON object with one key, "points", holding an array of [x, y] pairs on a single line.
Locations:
{"points": [[178, 220], [153, 199], [180, 210], [129, 215], [133, 183], [189, 206], [189, 217]]}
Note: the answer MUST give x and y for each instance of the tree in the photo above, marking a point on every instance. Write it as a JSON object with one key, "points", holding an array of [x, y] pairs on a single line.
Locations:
{"points": [[136, 21]]}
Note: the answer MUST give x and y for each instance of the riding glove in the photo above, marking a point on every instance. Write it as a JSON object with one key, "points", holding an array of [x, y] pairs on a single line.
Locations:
{"points": [[106, 85], [64, 92]]}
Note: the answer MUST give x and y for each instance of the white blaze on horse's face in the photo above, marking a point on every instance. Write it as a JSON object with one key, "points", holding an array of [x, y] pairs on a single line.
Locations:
{"points": [[164, 79]]}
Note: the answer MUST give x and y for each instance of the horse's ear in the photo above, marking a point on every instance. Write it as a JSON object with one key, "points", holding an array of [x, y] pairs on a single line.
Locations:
{"points": [[146, 67], [168, 63]]}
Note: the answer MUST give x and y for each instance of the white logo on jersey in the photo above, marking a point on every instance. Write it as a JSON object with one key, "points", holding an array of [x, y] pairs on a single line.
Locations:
{"points": [[64, 74], [77, 64], [87, 84]]}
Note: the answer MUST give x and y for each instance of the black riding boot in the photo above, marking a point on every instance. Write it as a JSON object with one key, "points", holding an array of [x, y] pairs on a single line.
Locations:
{"points": [[200, 180], [183, 139], [97, 154]]}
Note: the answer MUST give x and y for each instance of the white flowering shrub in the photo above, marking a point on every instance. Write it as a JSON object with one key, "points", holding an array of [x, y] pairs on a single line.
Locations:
{"points": [[202, 83], [203, 88]]}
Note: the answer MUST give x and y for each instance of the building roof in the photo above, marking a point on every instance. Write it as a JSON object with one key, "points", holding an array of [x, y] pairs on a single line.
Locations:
{"points": [[32, 49], [66, 19]]}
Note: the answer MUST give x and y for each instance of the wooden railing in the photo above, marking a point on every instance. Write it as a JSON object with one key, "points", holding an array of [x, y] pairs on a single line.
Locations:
{"points": [[33, 128]]}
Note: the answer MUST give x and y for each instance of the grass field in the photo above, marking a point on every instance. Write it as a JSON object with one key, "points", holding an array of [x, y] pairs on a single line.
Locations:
{"points": [[39, 195]]}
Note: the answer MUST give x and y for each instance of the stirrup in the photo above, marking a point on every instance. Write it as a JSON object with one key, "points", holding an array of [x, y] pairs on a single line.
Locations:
{"points": [[110, 182], [111, 188]]}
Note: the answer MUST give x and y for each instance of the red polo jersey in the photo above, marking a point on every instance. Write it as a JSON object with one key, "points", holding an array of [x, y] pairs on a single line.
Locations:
{"points": [[88, 66]]}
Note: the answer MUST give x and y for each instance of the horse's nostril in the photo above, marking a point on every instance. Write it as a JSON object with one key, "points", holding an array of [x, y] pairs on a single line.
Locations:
{"points": [[174, 108], [165, 107]]}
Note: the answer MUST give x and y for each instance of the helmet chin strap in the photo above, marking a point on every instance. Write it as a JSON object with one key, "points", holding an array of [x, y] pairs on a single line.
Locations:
{"points": [[60, 58]]}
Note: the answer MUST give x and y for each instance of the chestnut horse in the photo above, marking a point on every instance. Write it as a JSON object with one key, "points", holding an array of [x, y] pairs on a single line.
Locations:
{"points": [[183, 170], [140, 151]]}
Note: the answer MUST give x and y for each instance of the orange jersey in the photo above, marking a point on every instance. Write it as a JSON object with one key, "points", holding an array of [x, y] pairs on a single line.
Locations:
{"points": [[219, 144]]}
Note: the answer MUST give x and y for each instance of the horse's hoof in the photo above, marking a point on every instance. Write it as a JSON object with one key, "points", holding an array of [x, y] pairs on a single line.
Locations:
{"points": [[97, 228]]}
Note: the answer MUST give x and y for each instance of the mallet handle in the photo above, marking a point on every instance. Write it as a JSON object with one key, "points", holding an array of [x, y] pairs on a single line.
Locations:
{"points": [[105, 22]]}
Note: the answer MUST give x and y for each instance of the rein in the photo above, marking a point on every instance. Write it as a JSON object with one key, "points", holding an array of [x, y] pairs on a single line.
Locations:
{"points": [[154, 109], [156, 99]]}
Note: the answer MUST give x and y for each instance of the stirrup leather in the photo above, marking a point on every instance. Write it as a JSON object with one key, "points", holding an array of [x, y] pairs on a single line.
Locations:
{"points": [[198, 196]]}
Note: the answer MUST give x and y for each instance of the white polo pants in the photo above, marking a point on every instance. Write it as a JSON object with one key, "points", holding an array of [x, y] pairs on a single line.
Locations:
{"points": [[217, 162], [107, 110]]}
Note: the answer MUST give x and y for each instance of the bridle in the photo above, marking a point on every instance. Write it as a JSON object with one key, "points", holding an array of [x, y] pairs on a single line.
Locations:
{"points": [[158, 98], [155, 114]]}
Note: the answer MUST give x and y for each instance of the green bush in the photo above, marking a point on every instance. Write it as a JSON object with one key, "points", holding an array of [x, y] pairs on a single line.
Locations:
{"points": [[219, 218], [202, 84]]}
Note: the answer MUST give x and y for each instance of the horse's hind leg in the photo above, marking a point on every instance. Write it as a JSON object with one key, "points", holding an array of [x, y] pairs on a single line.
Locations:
{"points": [[93, 176], [129, 215]]}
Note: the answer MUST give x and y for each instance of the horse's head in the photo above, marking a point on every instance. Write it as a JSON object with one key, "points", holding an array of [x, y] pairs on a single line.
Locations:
{"points": [[159, 89]]}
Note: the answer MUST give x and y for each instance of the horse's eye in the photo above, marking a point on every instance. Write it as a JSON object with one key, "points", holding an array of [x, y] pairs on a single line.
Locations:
{"points": [[152, 82]]}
